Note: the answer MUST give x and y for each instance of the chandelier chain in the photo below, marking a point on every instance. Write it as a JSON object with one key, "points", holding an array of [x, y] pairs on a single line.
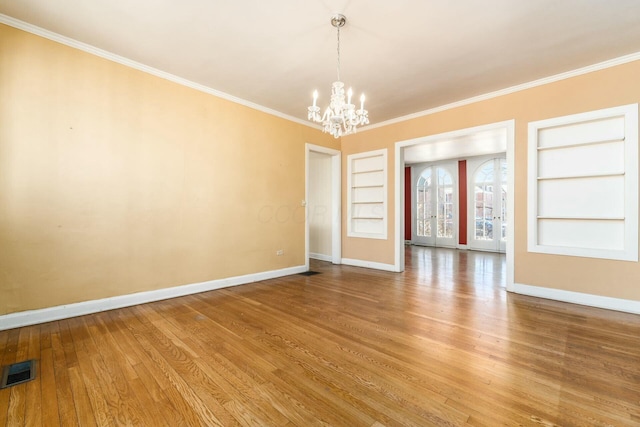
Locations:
{"points": [[338, 49]]}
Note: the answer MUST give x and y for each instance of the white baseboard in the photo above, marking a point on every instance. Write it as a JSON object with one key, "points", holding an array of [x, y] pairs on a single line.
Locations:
{"points": [[463, 247], [320, 257], [32, 317], [369, 264], [617, 304]]}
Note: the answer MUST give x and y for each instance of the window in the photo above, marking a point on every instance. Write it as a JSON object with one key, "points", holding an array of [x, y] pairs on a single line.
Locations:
{"points": [[424, 204], [367, 194], [583, 184]]}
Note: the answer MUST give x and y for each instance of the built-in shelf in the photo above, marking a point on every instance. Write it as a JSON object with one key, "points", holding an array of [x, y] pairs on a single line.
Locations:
{"points": [[371, 171], [581, 176], [583, 184], [581, 144], [583, 218], [367, 197]]}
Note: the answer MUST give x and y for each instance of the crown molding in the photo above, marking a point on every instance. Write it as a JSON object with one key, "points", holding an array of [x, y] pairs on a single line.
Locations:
{"points": [[21, 25], [517, 88], [67, 41]]}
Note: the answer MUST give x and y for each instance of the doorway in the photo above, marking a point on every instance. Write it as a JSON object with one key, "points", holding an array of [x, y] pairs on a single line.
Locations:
{"points": [[477, 141], [323, 223]]}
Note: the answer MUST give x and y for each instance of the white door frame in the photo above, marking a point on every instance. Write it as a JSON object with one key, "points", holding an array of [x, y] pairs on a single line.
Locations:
{"points": [[336, 201], [509, 127]]}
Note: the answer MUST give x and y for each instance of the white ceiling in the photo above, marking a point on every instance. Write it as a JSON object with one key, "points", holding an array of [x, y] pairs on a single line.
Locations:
{"points": [[406, 55]]}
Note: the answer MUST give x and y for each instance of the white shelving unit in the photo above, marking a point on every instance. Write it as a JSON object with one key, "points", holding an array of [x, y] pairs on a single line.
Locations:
{"points": [[583, 192], [367, 195]]}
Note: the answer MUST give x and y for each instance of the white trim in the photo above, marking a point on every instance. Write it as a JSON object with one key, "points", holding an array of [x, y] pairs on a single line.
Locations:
{"points": [[336, 201], [398, 256], [463, 247], [617, 304], [320, 257], [67, 41], [336, 207], [517, 88], [511, 203], [30, 28], [32, 317], [369, 264]]}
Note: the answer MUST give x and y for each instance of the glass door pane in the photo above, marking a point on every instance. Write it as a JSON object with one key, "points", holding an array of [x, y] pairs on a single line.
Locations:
{"points": [[483, 202], [488, 205], [445, 204], [424, 202], [434, 211]]}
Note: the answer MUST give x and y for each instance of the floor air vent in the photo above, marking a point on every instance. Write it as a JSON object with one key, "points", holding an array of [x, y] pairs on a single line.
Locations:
{"points": [[18, 373], [309, 273]]}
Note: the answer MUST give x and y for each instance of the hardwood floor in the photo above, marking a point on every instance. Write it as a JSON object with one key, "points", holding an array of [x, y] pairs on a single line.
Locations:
{"points": [[442, 344]]}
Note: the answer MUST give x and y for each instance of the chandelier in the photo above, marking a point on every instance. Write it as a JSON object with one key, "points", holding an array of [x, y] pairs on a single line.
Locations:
{"points": [[341, 117]]}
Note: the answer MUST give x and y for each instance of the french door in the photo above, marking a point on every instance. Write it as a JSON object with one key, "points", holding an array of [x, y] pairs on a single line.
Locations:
{"points": [[434, 212], [488, 193]]}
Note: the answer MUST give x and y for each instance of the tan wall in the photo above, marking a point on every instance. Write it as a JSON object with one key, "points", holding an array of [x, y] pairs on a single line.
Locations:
{"points": [[113, 181], [602, 89]]}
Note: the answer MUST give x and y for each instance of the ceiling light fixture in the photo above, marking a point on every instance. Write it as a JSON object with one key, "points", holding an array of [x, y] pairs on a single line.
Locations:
{"points": [[341, 117]]}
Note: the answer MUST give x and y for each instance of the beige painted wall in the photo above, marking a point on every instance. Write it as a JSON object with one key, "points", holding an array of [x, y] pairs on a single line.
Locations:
{"points": [[113, 181], [601, 89]]}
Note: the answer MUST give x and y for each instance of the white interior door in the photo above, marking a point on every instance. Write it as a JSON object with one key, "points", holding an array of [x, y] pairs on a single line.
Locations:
{"points": [[332, 209], [434, 212], [319, 209], [488, 193]]}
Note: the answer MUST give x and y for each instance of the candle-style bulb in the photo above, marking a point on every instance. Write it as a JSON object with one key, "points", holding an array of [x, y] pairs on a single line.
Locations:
{"points": [[362, 101], [315, 97], [350, 93]]}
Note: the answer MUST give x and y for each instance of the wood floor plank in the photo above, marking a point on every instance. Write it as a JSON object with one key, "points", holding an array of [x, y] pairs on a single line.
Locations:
{"points": [[114, 374], [181, 373], [16, 412], [84, 411], [441, 344], [48, 388], [353, 376], [33, 410], [171, 402], [10, 340], [17, 405], [66, 404]]}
